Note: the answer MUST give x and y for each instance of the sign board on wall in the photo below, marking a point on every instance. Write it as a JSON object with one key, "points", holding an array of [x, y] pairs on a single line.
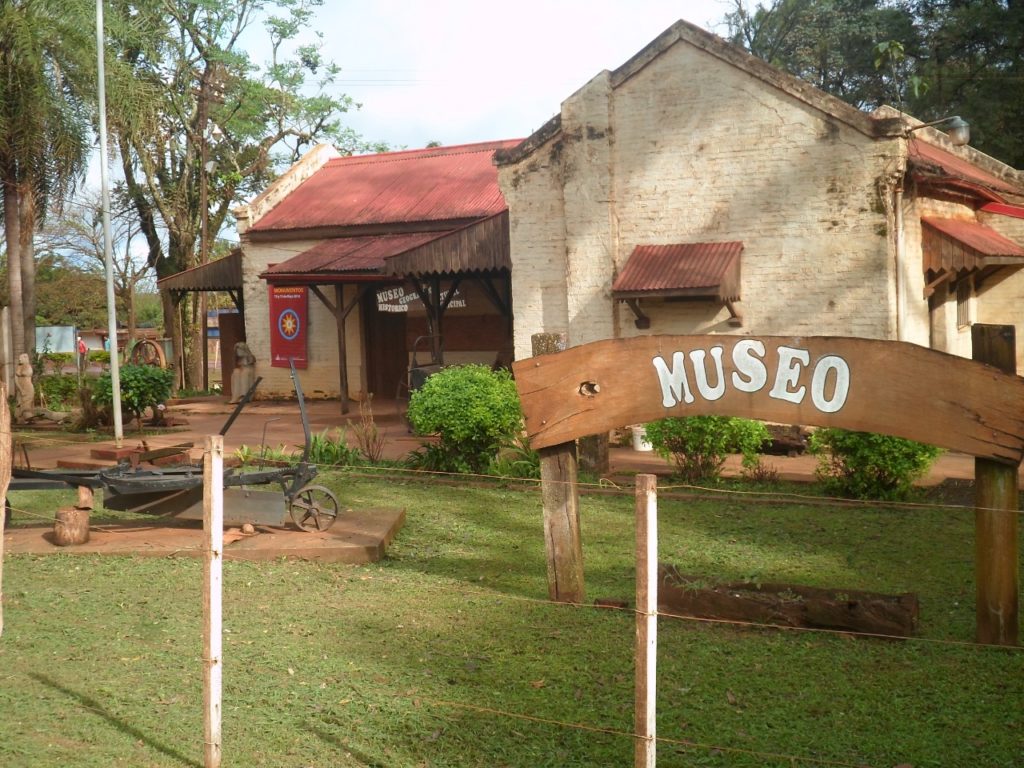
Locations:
{"points": [[888, 387], [288, 319], [400, 299]]}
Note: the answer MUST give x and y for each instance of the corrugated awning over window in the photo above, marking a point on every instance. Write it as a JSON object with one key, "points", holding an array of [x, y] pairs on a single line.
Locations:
{"points": [[699, 270], [951, 247], [681, 270]]}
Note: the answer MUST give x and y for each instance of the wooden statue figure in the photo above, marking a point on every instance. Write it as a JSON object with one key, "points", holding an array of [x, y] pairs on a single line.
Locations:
{"points": [[244, 374], [25, 391]]}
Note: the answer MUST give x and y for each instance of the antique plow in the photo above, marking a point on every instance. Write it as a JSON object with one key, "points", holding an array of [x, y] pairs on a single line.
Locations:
{"points": [[178, 491]]}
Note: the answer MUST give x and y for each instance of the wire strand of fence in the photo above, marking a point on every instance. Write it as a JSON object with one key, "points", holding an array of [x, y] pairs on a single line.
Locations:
{"points": [[667, 740]]}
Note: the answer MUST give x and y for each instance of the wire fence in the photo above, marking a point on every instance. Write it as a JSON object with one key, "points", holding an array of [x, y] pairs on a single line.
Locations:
{"points": [[617, 491]]}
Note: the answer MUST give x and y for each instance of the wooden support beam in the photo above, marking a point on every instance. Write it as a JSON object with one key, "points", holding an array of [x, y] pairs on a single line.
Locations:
{"points": [[340, 310], [560, 497], [996, 515]]}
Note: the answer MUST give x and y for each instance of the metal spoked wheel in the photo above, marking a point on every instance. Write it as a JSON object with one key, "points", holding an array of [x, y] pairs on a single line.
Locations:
{"points": [[148, 352], [314, 508]]}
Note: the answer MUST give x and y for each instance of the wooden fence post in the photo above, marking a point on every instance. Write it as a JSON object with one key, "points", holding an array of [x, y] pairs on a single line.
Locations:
{"points": [[6, 457], [996, 515], [645, 686], [558, 475], [213, 533]]}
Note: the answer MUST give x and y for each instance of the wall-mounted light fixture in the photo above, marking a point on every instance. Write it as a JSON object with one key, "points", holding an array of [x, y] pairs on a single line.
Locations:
{"points": [[958, 129]]}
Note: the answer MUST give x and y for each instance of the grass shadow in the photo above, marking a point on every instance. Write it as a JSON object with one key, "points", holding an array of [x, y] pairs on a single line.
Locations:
{"points": [[96, 707]]}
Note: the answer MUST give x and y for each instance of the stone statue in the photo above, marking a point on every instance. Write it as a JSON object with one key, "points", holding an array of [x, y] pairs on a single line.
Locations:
{"points": [[245, 372], [25, 391]]}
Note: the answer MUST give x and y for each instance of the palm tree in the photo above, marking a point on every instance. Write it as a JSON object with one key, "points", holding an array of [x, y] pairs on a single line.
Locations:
{"points": [[47, 75]]}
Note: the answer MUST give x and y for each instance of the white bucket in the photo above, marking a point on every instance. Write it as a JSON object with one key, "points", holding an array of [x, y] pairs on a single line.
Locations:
{"points": [[640, 442]]}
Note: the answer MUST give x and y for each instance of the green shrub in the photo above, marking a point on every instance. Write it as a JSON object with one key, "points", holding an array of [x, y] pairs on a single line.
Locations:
{"points": [[865, 465], [142, 387], [332, 451], [698, 445], [58, 392], [473, 411], [517, 459]]}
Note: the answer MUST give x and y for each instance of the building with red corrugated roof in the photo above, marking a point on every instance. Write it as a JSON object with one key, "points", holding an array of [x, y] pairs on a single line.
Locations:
{"points": [[380, 262]]}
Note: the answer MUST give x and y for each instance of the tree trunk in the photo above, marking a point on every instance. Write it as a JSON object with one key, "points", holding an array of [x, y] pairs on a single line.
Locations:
{"points": [[28, 266], [129, 301], [172, 329], [12, 231]]}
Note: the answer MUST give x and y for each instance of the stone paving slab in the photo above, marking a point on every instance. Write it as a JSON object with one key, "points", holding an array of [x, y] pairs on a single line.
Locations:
{"points": [[357, 537]]}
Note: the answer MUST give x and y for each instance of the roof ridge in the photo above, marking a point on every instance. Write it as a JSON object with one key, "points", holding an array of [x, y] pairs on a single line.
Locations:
{"points": [[425, 152]]}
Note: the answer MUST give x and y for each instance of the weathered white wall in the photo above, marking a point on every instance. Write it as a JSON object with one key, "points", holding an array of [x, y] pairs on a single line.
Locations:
{"points": [[692, 149]]}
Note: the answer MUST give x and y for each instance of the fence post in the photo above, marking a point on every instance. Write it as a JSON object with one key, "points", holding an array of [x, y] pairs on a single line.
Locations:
{"points": [[560, 497], [996, 516], [213, 533], [645, 687]]}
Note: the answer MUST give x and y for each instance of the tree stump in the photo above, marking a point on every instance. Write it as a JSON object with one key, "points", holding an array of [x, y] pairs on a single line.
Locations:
{"points": [[71, 527]]}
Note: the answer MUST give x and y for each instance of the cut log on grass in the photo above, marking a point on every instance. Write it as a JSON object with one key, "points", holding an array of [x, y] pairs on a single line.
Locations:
{"points": [[71, 527], [787, 605]]}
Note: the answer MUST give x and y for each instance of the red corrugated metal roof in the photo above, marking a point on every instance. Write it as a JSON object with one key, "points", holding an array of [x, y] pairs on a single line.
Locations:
{"points": [[1004, 209], [437, 184], [985, 240], [696, 269], [929, 157], [352, 254]]}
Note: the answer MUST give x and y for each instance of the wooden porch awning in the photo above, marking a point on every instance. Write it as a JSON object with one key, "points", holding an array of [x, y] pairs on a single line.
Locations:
{"points": [[220, 275], [952, 246], [482, 246]]}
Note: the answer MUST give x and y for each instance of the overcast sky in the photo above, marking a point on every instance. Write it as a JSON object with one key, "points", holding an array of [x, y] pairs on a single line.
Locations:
{"points": [[458, 71]]}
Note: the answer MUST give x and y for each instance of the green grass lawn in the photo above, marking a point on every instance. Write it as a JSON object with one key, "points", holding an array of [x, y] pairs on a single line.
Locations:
{"points": [[447, 653]]}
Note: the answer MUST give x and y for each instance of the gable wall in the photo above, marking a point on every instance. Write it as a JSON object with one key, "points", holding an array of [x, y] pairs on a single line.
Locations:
{"points": [[692, 149]]}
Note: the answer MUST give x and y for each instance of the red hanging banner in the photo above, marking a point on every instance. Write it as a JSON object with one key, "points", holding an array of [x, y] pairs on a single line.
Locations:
{"points": [[288, 316]]}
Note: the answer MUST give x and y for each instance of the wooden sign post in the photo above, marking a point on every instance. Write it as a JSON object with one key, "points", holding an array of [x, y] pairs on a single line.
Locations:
{"points": [[996, 515], [892, 388], [561, 500]]}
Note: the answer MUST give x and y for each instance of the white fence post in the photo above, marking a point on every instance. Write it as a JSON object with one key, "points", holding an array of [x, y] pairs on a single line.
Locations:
{"points": [[646, 679]]}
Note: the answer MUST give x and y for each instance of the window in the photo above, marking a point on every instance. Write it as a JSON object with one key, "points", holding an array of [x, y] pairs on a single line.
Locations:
{"points": [[964, 295]]}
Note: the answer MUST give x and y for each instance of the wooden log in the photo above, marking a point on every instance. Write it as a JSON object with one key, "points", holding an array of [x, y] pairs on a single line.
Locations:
{"points": [[560, 498], [593, 454], [788, 605], [996, 519], [85, 498], [71, 527]]}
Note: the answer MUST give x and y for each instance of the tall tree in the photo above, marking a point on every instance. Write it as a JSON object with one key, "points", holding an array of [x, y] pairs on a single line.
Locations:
{"points": [[968, 53], [219, 127], [46, 76], [77, 240]]}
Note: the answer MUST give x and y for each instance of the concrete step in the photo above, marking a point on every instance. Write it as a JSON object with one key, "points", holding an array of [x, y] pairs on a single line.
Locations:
{"points": [[111, 453]]}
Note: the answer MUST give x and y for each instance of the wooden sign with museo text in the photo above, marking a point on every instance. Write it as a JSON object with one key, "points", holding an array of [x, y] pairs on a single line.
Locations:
{"points": [[888, 387]]}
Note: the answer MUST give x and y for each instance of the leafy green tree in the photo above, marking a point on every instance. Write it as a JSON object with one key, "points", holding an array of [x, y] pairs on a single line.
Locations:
{"points": [[218, 125], [963, 57], [47, 73]]}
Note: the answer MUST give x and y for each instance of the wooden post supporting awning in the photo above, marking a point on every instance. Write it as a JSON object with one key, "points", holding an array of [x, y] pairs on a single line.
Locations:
{"points": [[340, 310]]}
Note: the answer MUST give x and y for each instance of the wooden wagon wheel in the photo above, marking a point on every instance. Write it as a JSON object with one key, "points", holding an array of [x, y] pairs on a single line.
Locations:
{"points": [[147, 352], [314, 508]]}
